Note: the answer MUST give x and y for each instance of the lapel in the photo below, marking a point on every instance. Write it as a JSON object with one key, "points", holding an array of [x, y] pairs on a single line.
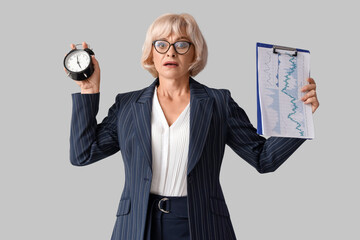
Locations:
{"points": [[201, 108]]}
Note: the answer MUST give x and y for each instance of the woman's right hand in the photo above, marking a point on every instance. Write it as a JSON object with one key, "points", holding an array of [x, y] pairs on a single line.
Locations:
{"points": [[91, 84]]}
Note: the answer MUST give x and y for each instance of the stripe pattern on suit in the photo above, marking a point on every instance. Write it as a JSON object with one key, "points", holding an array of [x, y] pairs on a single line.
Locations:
{"points": [[215, 120]]}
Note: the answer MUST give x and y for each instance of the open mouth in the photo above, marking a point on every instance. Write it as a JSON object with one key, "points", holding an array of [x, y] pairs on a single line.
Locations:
{"points": [[171, 64]]}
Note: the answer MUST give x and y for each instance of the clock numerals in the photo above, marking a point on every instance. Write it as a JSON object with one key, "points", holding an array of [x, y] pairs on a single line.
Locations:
{"points": [[78, 63]]}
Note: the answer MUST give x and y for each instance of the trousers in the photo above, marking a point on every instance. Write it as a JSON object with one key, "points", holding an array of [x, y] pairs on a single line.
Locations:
{"points": [[167, 218]]}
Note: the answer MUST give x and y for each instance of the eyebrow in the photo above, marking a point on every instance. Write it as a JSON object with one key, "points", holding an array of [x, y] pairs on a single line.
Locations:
{"points": [[182, 37]]}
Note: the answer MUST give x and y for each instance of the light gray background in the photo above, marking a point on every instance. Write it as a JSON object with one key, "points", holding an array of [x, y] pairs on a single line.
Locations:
{"points": [[313, 195]]}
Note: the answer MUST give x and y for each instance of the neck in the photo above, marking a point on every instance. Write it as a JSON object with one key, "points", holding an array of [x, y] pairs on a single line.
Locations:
{"points": [[173, 87]]}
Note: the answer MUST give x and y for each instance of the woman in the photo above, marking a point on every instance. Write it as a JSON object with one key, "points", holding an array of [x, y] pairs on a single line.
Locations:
{"points": [[172, 135]]}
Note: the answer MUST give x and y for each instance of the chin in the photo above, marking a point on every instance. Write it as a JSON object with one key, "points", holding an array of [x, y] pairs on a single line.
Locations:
{"points": [[174, 74]]}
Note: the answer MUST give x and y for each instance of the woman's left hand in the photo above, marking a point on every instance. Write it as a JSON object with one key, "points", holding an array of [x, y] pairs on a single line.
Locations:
{"points": [[310, 96]]}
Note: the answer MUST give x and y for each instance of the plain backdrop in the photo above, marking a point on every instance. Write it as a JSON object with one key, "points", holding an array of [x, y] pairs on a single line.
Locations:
{"points": [[313, 195]]}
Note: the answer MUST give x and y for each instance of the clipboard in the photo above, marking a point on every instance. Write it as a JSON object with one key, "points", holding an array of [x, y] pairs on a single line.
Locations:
{"points": [[280, 73]]}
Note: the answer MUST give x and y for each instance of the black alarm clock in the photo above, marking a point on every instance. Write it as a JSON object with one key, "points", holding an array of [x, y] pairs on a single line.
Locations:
{"points": [[78, 63]]}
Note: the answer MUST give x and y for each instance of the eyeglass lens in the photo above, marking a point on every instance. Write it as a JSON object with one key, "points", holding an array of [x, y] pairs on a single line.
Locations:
{"points": [[180, 47]]}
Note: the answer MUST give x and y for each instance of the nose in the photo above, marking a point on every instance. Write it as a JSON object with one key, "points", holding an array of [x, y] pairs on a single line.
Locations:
{"points": [[171, 51]]}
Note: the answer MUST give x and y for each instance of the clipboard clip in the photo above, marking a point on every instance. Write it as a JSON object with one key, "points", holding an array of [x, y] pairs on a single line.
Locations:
{"points": [[286, 49]]}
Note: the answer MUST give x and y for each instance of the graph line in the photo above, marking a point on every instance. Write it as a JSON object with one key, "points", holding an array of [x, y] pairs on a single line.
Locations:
{"points": [[293, 99]]}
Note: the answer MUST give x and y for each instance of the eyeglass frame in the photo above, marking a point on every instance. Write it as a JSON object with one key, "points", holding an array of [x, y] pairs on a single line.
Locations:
{"points": [[190, 43]]}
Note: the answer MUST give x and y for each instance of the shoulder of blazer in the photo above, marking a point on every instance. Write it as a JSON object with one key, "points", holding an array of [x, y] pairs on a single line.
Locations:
{"points": [[219, 94], [124, 101], [132, 94], [126, 98]]}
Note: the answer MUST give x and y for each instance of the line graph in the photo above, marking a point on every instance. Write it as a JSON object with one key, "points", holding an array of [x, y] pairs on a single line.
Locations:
{"points": [[280, 78], [291, 71]]}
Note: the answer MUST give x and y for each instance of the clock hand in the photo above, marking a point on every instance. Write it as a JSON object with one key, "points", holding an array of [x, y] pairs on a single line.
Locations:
{"points": [[79, 64], [77, 60]]}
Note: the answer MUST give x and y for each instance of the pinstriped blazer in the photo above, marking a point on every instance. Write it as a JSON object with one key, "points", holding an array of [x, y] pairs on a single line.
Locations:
{"points": [[215, 120]]}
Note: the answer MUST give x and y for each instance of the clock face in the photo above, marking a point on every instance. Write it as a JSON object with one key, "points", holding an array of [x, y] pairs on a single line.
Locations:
{"points": [[77, 61]]}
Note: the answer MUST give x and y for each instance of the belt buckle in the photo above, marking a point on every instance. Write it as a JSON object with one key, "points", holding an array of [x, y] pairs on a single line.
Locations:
{"points": [[163, 199]]}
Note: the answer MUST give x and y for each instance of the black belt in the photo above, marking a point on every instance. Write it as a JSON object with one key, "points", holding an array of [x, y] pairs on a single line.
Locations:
{"points": [[175, 206]]}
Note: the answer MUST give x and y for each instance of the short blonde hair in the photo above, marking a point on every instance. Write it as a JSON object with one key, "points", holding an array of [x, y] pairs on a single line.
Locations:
{"points": [[167, 24]]}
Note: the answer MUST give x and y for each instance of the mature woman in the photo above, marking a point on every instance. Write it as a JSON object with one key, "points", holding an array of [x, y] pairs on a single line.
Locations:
{"points": [[172, 137]]}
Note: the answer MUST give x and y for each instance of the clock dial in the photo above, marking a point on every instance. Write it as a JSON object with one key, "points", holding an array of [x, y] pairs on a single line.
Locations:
{"points": [[77, 61]]}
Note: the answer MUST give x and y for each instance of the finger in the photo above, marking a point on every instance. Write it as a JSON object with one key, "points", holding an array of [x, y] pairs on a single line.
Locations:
{"points": [[67, 73], [315, 106], [73, 46], [96, 63], [314, 103], [84, 44], [311, 93], [311, 80], [308, 87], [312, 100]]}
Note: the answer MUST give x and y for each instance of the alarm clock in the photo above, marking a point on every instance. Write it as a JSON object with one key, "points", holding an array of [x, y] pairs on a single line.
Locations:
{"points": [[78, 63]]}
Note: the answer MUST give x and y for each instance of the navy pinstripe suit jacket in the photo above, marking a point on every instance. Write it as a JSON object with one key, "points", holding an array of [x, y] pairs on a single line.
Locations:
{"points": [[215, 120]]}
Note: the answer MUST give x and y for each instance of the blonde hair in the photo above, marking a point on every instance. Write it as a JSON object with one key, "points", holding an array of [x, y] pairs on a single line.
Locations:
{"points": [[168, 24]]}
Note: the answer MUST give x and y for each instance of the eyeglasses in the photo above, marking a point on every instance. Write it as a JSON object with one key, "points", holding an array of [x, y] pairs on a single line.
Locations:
{"points": [[162, 46]]}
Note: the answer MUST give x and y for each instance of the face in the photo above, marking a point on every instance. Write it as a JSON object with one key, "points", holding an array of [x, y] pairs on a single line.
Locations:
{"points": [[182, 62]]}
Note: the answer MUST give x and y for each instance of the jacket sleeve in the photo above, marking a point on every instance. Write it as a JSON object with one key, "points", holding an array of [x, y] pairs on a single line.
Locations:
{"points": [[89, 141], [266, 155]]}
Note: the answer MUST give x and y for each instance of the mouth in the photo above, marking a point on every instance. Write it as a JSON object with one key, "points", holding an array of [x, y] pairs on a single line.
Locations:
{"points": [[171, 64]]}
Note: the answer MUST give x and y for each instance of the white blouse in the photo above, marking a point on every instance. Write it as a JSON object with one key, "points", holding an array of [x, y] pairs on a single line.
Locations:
{"points": [[170, 146]]}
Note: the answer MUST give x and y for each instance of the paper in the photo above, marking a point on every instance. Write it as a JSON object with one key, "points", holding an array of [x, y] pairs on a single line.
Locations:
{"points": [[280, 79]]}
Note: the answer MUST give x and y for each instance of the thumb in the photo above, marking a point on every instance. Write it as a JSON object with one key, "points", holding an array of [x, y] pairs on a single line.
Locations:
{"points": [[96, 63]]}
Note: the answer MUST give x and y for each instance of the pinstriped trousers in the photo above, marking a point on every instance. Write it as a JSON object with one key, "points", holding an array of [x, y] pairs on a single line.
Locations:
{"points": [[170, 224]]}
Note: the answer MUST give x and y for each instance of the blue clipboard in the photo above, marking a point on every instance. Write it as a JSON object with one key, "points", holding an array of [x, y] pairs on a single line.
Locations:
{"points": [[275, 49]]}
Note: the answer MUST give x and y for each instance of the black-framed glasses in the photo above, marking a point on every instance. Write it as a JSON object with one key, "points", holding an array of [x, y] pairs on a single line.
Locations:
{"points": [[162, 46]]}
